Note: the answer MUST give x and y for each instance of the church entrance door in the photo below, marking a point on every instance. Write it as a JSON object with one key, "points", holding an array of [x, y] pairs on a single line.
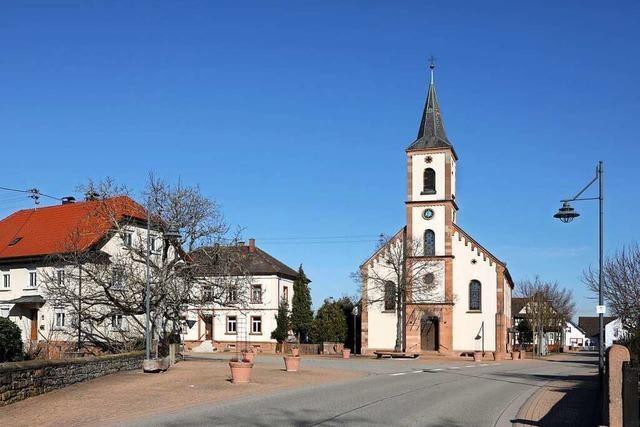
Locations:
{"points": [[429, 333]]}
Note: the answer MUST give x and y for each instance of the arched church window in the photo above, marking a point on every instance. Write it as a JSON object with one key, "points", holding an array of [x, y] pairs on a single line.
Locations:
{"points": [[475, 296], [429, 181], [389, 296], [429, 243]]}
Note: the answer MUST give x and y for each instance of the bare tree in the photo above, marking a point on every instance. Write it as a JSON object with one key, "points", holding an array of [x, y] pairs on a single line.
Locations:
{"points": [[621, 285], [104, 289], [398, 275], [547, 305]]}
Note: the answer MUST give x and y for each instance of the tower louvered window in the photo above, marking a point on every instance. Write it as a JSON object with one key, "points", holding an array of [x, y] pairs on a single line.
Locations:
{"points": [[429, 181], [429, 243]]}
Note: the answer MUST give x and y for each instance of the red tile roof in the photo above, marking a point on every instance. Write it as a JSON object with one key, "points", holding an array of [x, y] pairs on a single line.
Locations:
{"points": [[49, 230]]}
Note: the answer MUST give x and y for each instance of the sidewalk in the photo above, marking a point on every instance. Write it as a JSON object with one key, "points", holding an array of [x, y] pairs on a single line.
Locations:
{"points": [[126, 396], [572, 400]]}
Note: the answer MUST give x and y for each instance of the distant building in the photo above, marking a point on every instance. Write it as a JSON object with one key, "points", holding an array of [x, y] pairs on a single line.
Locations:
{"points": [[211, 326], [613, 330], [473, 296], [572, 335]]}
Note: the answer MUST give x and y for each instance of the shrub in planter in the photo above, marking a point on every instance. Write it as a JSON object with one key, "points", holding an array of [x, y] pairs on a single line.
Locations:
{"points": [[10, 341]]}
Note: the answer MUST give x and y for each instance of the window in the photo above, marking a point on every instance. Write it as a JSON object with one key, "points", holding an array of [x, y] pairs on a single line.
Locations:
{"points": [[59, 318], [117, 278], [389, 296], [60, 275], [285, 293], [429, 181], [232, 294], [256, 324], [232, 323], [475, 296], [429, 243], [207, 293], [33, 279], [117, 322], [256, 294], [152, 243], [4, 311], [127, 238], [6, 280]]}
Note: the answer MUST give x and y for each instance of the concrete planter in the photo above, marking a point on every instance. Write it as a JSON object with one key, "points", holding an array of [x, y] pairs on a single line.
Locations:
{"points": [[477, 356], [240, 372], [498, 355], [346, 352], [156, 365], [523, 354], [248, 356], [292, 363], [295, 352]]}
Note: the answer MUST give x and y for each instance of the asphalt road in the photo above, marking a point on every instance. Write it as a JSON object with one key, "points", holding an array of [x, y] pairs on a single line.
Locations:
{"points": [[394, 393]]}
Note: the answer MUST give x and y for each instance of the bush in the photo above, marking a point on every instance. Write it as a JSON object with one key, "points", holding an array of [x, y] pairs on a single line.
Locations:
{"points": [[10, 341], [330, 324]]}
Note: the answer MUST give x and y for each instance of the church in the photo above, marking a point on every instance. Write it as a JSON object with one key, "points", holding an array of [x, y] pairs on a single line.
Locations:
{"points": [[452, 296]]}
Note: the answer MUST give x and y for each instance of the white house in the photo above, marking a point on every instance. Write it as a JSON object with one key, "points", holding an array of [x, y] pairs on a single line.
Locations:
{"points": [[614, 330], [574, 336], [222, 327], [471, 307], [31, 240]]}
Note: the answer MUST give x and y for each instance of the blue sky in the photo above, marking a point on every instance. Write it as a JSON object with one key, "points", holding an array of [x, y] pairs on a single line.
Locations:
{"points": [[295, 117]]}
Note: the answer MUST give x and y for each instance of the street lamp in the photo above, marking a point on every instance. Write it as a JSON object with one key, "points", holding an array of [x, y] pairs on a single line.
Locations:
{"points": [[567, 214]]}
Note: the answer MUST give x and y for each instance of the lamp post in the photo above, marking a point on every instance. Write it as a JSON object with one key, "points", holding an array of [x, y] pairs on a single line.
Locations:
{"points": [[567, 214]]}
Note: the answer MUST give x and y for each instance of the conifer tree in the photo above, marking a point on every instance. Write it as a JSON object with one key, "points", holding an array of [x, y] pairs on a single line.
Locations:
{"points": [[281, 331], [301, 312]]}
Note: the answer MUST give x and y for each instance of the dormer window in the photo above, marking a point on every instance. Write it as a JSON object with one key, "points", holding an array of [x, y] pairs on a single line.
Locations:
{"points": [[15, 241], [429, 181]]}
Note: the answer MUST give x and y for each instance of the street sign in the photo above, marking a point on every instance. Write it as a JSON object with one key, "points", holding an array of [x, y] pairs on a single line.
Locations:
{"points": [[601, 309]]}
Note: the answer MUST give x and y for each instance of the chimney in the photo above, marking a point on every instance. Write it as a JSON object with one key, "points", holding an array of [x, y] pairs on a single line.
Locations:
{"points": [[68, 199], [252, 245]]}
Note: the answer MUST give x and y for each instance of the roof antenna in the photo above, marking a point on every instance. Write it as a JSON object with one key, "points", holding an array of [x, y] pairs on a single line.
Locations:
{"points": [[432, 65], [34, 194]]}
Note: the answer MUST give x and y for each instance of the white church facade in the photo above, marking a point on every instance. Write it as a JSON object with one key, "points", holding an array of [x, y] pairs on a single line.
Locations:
{"points": [[469, 306]]}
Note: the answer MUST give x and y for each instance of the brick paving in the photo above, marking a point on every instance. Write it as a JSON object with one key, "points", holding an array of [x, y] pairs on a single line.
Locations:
{"points": [[572, 400], [131, 395]]}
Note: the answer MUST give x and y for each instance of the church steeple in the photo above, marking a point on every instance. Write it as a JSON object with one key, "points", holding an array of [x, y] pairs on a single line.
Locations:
{"points": [[431, 133]]}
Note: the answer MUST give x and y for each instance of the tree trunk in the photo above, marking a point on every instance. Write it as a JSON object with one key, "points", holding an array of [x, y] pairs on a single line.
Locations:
{"points": [[399, 309]]}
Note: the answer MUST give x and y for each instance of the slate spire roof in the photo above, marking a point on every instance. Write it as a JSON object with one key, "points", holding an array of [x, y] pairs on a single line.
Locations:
{"points": [[431, 133]]}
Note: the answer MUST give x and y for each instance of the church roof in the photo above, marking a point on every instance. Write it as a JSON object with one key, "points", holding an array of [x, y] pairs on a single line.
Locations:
{"points": [[431, 133]]}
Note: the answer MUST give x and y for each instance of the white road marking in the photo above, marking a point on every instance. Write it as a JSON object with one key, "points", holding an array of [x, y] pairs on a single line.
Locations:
{"points": [[436, 369], [484, 364], [417, 372], [496, 364], [469, 366], [455, 367], [399, 373]]}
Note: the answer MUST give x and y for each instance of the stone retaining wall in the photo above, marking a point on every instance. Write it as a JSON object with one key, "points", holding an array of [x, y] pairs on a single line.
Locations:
{"points": [[20, 380]]}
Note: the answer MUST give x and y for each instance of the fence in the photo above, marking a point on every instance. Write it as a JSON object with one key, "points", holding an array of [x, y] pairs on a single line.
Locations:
{"points": [[631, 394]]}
